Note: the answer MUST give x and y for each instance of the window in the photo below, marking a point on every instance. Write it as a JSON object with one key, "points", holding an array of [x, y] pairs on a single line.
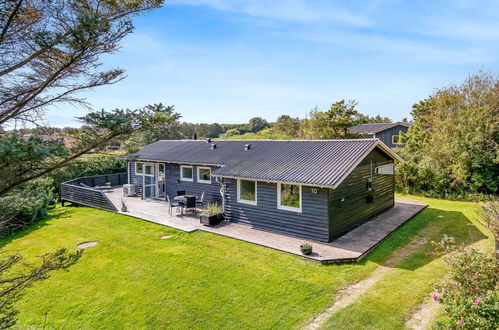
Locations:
{"points": [[148, 170], [289, 197], [139, 168], [186, 173], [246, 191], [396, 139], [384, 169], [204, 174]]}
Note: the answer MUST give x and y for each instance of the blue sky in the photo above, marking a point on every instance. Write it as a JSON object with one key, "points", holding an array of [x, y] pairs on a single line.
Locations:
{"points": [[229, 60]]}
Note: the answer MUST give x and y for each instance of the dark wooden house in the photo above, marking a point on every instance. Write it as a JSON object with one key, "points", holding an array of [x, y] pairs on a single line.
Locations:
{"points": [[315, 189], [388, 133]]}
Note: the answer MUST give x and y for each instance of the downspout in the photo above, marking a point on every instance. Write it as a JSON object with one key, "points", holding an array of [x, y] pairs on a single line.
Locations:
{"points": [[222, 191], [128, 172]]}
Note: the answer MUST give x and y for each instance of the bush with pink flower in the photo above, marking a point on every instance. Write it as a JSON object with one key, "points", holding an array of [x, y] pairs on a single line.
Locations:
{"points": [[469, 292]]}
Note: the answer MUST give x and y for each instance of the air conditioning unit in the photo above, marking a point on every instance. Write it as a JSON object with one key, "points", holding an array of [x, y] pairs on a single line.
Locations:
{"points": [[128, 190]]}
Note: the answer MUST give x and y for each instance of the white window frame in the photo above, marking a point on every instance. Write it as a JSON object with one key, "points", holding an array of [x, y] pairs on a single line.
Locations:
{"points": [[285, 207], [245, 201], [199, 176], [387, 169], [186, 179], [144, 169], [393, 136], [137, 173]]}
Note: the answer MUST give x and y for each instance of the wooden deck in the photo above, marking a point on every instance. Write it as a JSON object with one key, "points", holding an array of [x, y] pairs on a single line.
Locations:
{"points": [[350, 247]]}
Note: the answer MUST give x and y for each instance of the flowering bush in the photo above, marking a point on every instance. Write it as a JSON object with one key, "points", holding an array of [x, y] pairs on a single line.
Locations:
{"points": [[469, 293]]}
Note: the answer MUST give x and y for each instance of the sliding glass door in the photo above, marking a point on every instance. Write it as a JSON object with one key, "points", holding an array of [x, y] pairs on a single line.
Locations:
{"points": [[148, 181], [161, 181]]}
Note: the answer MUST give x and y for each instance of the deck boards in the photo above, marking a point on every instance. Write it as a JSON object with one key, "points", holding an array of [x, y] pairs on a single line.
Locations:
{"points": [[350, 247]]}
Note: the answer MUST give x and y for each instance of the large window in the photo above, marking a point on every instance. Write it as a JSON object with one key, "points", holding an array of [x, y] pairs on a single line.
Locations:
{"points": [[204, 174], [246, 191], [144, 169], [289, 197], [186, 173], [396, 139]]}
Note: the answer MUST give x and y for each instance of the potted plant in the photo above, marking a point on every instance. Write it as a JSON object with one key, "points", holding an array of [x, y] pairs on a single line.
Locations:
{"points": [[123, 206], [212, 215], [108, 184], [306, 248]]}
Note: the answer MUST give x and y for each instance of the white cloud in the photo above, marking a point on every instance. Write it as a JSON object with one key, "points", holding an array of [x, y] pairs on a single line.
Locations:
{"points": [[288, 10]]}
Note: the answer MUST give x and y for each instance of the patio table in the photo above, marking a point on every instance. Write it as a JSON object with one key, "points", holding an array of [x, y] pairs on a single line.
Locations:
{"points": [[182, 199]]}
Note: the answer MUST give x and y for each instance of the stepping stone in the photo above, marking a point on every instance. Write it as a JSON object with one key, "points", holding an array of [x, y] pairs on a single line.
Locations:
{"points": [[165, 236], [85, 245], [440, 216]]}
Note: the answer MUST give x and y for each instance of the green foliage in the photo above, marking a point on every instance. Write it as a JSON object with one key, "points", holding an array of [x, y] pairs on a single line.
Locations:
{"points": [[256, 124], [232, 132], [51, 50], [26, 205], [378, 119], [23, 161], [16, 275], [332, 124], [211, 210], [287, 126], [470, 291], [264, 134], [452, 149]]}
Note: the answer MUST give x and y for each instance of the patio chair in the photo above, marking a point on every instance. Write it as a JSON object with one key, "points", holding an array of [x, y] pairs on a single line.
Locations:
{"points": [[173, 204], [200, 200], [190, 204], [180, 192]]}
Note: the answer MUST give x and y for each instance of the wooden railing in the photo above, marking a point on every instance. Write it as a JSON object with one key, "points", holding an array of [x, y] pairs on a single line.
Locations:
{"points": [[82, 190]]}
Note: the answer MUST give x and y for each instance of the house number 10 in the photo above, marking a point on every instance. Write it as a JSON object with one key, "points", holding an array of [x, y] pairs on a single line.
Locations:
{"points": [[313, 190]]}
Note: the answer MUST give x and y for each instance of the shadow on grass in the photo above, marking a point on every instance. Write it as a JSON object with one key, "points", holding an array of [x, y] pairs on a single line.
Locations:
{"points": [[55, 213], [435, 223]]}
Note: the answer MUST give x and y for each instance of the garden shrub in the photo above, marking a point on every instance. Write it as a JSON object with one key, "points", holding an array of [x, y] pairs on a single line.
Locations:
{"points": [[26, 205], [469, 292], [451, 150]]}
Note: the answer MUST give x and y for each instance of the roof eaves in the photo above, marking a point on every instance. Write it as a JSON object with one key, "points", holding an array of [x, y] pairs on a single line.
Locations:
{"points": [[401, 123]]}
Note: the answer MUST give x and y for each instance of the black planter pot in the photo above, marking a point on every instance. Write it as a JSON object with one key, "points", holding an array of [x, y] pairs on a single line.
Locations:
{"points": [[211, 220], [306, 250]]}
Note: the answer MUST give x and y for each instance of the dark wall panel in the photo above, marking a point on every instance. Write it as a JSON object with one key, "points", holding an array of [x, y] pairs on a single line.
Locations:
{"points": [[311, 223], [354, 210], [386, 136]]}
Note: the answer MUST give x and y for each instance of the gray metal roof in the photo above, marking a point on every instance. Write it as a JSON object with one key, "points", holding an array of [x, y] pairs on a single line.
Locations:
{"points": [[375, 128], [313, 162]]}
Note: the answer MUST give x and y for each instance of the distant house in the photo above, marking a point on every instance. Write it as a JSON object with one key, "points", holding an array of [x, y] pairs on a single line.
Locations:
{"points": [[315, 189], [388, 133], [111, 148]]}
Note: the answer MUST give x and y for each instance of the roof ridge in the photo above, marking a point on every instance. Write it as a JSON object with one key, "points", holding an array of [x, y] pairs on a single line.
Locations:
{"points": [[274, 140]]}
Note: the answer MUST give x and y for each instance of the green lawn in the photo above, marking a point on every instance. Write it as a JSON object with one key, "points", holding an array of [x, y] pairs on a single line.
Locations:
{"points": [[410, 281], [200, 280]]}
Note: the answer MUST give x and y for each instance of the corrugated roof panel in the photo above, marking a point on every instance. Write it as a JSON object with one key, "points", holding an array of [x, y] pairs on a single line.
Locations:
{"points": [[314, 162]]}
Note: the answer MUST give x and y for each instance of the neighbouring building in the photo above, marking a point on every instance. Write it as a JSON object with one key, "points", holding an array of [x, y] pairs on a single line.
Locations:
{"points": [[388, 133]]}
